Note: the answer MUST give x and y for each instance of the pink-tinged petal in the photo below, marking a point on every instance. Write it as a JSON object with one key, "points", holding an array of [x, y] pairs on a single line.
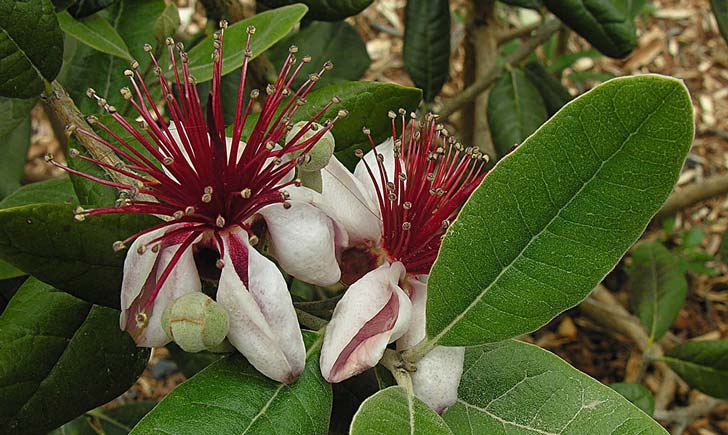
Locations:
{"points": [[386, 149], [416, 287], [373, 313], [263, 323], [438, 374], [349, 202], [303, 240], [437, 377], [141, 275]]}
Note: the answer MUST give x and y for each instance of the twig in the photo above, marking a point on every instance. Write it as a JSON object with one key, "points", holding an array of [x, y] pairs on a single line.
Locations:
{"points": [[468, 94], [485, 53], [67, 113], [681, 417], [400, 369], [694, 193], [511, 34], [602, 307], [310, 321]]}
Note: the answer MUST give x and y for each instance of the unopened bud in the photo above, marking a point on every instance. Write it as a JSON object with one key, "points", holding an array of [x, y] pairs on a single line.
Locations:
{"points": [[195, 322], [320, 154]]}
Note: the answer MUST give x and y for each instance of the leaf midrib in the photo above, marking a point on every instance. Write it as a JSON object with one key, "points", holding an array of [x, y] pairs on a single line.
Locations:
{"points": [[536, 236]]}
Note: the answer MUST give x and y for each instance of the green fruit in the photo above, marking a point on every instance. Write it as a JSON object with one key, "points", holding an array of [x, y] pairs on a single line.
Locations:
{"points": [[195, 322]]}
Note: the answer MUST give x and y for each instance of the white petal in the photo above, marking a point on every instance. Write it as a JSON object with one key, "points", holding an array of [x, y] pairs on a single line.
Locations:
{"points": [[141, 274], [437, 377], [417, 289], [386, 149], [373, 312], [263, 323], [346, 200], [303, 241]]}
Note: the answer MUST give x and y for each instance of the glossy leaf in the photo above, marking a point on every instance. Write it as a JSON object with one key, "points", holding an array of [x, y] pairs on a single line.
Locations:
{"points": [[720, 11], [167, 23], [231, 397], [553, 93], [640, 396], [555, 216], [31, 47], [515, 110], [517, 388], [14, 141], [393, 411], [337, 42], [55, 190], [44, 240], [95, 32], [8, 271], [529, 4], [324, 10], [426, 51], [270, 27], [659, 287], [84, 67], [47, 338], [367, 103], [84, 8], [703, 365], [604, 23]]}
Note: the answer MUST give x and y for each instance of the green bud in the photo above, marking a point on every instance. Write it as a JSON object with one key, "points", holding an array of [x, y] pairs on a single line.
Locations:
{"points": [[318, 157], [195, 322]]}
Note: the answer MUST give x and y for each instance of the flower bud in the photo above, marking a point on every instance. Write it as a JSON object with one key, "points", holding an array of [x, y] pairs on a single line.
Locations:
{"points": [[320, 154], [195, 322]]}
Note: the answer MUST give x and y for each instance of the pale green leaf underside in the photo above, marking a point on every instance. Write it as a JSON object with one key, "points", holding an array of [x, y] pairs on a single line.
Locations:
{"points": [[393, 411], [514, 388], [555, 216]]}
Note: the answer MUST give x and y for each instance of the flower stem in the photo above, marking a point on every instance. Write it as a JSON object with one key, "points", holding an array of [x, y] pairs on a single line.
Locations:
{"points": [[310, 321], [393, 362]]}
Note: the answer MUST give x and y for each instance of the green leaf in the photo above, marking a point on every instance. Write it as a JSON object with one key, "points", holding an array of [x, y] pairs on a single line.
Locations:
{"points": [[270, 27], [720, 11], [231, 397], [7, 271], [55, 190], [515, 110], [60, 357], [638, 395], [555, 216], [517, 388], [338, 42], [528, 4], [393, 411], [191, 363], [31, 47], [703, 365], [114, 421], [368, 104], [84, 67], [553, 93], [167, 23], [604, 23], [44, 240], [95, 32], [426, 51], [659, 287], [14, 141], [84, 8], [324, 10]]}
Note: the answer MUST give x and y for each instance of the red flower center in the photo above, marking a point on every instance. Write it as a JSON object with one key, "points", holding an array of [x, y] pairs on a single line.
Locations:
{"points": [[433, 177]]}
